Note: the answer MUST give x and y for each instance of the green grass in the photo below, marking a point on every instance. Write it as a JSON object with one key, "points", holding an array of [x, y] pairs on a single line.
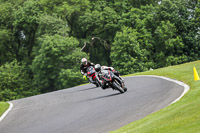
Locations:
{"points": [[180, 117], [3, 107]]}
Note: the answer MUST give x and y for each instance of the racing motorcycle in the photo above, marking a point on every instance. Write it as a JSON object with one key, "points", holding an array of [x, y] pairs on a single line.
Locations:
{"points": [[112, 80], [92, 76]]}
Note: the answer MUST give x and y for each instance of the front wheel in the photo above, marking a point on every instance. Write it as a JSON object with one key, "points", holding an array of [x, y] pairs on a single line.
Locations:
{"points": [[117, 87], [97, 82]]}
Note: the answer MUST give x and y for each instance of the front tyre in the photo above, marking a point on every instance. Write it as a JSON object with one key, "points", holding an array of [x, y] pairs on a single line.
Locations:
{"points": [[125, 89], [117, 87], [97, 82]]}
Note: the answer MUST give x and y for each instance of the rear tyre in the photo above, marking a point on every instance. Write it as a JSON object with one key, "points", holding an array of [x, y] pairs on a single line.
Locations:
{"points": [[117, 87], [97, 85]]}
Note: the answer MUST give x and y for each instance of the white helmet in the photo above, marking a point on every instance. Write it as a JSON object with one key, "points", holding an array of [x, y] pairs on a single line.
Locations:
{"points": [[97, 67], [84, 61]]}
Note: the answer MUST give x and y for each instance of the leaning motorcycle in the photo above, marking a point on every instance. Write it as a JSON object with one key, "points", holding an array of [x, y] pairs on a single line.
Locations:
{"points": [[92, 76], [112, 80]]}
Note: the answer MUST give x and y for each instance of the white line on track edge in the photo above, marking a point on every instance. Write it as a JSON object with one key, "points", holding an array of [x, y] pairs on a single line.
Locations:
{"points": [[5, 113], [186, 87]]}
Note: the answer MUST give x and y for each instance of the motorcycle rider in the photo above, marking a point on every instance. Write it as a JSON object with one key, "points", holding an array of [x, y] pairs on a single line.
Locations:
{"points": [[100, 68], [84, 65], [83, 68]]}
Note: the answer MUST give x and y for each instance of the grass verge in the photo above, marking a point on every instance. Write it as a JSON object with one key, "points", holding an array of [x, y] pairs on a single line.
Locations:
{"points": [[180, 117], [3, 107]]}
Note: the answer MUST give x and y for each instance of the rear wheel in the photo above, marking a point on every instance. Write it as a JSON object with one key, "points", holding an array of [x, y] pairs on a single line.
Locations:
{"points": [[117, 87], [97, 85]]}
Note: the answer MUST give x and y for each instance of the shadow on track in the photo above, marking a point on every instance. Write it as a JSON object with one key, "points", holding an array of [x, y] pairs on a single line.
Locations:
{"points": [[84, 89], [101, 97]]}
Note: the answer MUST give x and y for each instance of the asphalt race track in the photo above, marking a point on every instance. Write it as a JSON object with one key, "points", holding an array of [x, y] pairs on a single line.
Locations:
{"points": [[87, 109]]}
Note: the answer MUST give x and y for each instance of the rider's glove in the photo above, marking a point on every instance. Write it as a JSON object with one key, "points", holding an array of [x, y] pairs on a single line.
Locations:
{"points": [[82, 72], [85, 77]]}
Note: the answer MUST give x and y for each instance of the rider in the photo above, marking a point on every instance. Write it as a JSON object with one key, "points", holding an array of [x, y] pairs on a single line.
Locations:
{"points": [[84, 65], [100, 68], [83, 68]]}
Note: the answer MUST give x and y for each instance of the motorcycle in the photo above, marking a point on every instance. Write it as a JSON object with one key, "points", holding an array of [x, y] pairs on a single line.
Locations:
{"points": [[92, 76], [112, 80]]}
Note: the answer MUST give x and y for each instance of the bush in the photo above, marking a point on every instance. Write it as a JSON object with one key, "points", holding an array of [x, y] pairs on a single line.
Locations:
{"points": [[15, 82]]}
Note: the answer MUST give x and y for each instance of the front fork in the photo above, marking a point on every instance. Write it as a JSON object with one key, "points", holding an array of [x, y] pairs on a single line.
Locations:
{"points": [[96, 79], [120, 81]]}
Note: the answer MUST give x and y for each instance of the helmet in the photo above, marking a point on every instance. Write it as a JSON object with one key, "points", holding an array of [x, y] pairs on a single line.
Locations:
{"points": [[84, 61], [97, 67]]}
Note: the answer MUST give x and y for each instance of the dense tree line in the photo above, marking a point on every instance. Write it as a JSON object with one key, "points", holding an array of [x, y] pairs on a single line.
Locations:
{"points": [[43, 41]]}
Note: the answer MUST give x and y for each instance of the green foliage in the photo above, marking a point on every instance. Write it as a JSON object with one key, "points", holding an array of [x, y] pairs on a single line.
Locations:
{"points": [[181, 14], [138, 3], [6, 14], [5, 50], [69, 78], [70, 11], [168, 48], [100, 23], [15, 82], [102, 20], [51, 25], [126, 53], [26, 24], [56, 53]]}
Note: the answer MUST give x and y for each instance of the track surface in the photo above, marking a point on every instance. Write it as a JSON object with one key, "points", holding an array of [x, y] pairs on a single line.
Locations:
{"points": [[87, 109]]}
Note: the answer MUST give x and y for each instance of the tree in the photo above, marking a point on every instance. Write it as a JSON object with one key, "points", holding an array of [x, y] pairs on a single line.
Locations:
{"points": [[15, 82], [138, 3], [7, 43], [69, 78], [6, 54], [25, 27], [126, 53], [101, 24], [142, 21], [56, 53], [181, 15], [51, 25], [70, 11], [168, 45]]}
